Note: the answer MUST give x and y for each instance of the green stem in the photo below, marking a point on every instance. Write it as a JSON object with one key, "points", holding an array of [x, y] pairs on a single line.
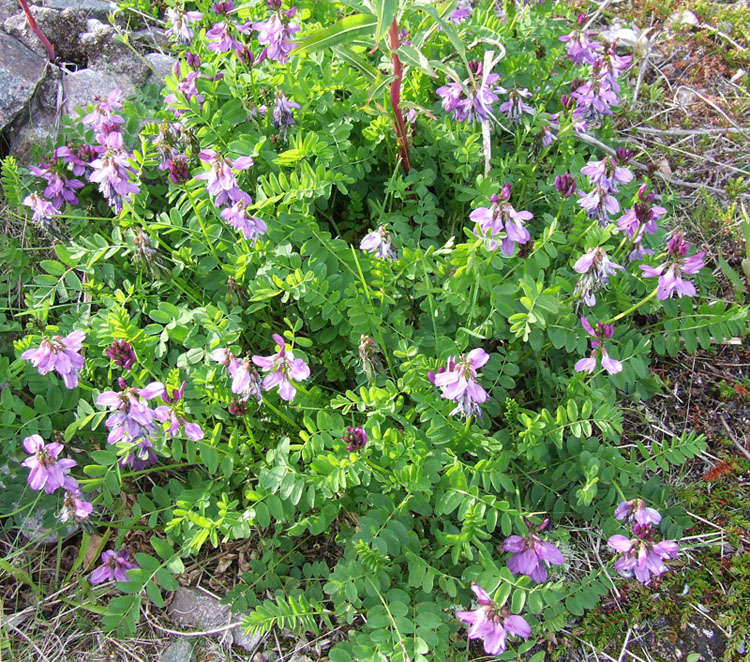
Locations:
{"points": [[209, 242], [633, 308]]}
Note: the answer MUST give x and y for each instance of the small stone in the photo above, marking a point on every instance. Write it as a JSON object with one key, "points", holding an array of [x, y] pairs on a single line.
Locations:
{"points": [[21, 71], [62, 28], [627, 38], [105, 52], [32, 528], [82, 86], [41, 125], [7, 9], [683, 18], [162, 65], [179, 651], [84, 8]]}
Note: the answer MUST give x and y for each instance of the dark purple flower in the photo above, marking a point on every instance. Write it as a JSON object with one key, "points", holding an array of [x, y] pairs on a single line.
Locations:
{"points": [[380, 243], [641, 556], [114, 566], [61, 354], [458, 382], [670, 272], [492, 624], [355, 439], [122, 354], [531, 555], [282, 367], [566, 185], [603, 332], [46, 471]]}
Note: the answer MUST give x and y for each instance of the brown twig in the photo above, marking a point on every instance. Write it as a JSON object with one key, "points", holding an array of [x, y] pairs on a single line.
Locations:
{"points": [[37, 30], [398, 118]]}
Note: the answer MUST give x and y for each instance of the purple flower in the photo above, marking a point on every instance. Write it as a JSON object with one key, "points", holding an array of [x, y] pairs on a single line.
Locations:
{"points": [[47, 472], [179, 169], [188, 87], [596, 268], [492, 624], [355, 439], [480, 90], [607, 174], [460, 14], [179, 24], [499, 217], [74, 508], [531, 555], [566, 184], [103, 116], [580, 48], [44, 211], [172, 413], [379, 242], [141, 453], [515, 106], [222, 185], [670, 272], [458, 382], [282, 113], [641, 556], [59, 188], [132, 419], [72, 156], [59, 354], [112, 172], [251, 227], [114, 566], [220, 38], [122, 354], [641, 217], [638, 510], [246, 381], [599, 203], [276, 35], [602, 333], [281, 368]]}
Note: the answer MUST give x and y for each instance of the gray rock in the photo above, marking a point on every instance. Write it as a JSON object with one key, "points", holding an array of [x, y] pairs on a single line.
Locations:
{"points": [[162, 67], [21, 71], [32, 528], [84, 8], [41, 125], [82, 86], [7, 9], [191, 608], [105, 52], [62, 28], [180, 651], [683, 18]]}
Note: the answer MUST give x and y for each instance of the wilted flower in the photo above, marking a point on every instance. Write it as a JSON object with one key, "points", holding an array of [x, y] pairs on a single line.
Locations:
{"points": [[638, 511], [368, 356], [122, 354], [281, 367], [379, 242], [596, 268], [499, 217], [480, 90], [114, 566], [602, 333], [172, 413], [458, 382], [61, 354], [492, 624], [531, 555], [670, 272], [46, 471], [355, 438], [641, 556]]}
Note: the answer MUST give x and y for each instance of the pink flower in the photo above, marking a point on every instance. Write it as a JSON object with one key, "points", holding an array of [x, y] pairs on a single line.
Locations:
{"points": [[114, 566], [638, 511], [641, 556], [47, 472], [281, 367], [499, 217], [492, 625], [74, 508], [172, 413], [276, 36], [458, 382], [379, 242], [251, 227], [602, 333], [531, 554], [596, 268], [222, 184], [670, 272], [59, 354], [179, 24], [132, 419]]}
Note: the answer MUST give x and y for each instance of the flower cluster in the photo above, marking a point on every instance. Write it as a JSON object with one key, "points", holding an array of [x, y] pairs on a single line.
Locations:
{"points": [[605, 176], [595, 268], [246, 381], [115, 566], [641, 557], [458, 382], [171, 414], [276, 33], [531, 555], [61, 354], [670, 272], [501, 217], [281, 368], [355, 438], [380, 243], [603, 332], [472, 99], [491, 624], [122, 354], [640, 218]]}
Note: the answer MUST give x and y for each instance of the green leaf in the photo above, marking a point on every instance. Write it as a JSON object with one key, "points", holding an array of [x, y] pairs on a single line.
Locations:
{"points": [[412, 56], [385, 10], [346, 30], [53, 267]]}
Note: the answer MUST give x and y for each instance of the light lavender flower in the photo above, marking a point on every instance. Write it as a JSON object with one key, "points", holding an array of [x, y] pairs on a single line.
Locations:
{"points": [[44, 211], [596, 268], [132, 419], [188, 87], [112, 172], [641, 556], [276, 35], [61, 354], [74, 508], [602, 333], [59, 188], [103, 115], [531, 555], [463, 11], [607, 174], [599, 204], [251, 227], [47, 472], [221, 182], [281, 368], [638, 510], [220, 38], [579, 45], [457, 381], [670, 272], [499, 217], [380, 243], [491, 624], [141, 453], [480, 90], [642, 217], [282, 113], [179, 24], [172, 413], [114, 567], [515, 106]]}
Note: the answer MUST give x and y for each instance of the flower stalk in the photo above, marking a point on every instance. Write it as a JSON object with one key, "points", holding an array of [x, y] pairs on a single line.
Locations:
{"points": [[398, 118]]}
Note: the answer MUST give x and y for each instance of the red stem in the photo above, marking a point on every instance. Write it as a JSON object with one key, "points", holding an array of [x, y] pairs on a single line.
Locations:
{"points": [[37, 30], [398, 118]]}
